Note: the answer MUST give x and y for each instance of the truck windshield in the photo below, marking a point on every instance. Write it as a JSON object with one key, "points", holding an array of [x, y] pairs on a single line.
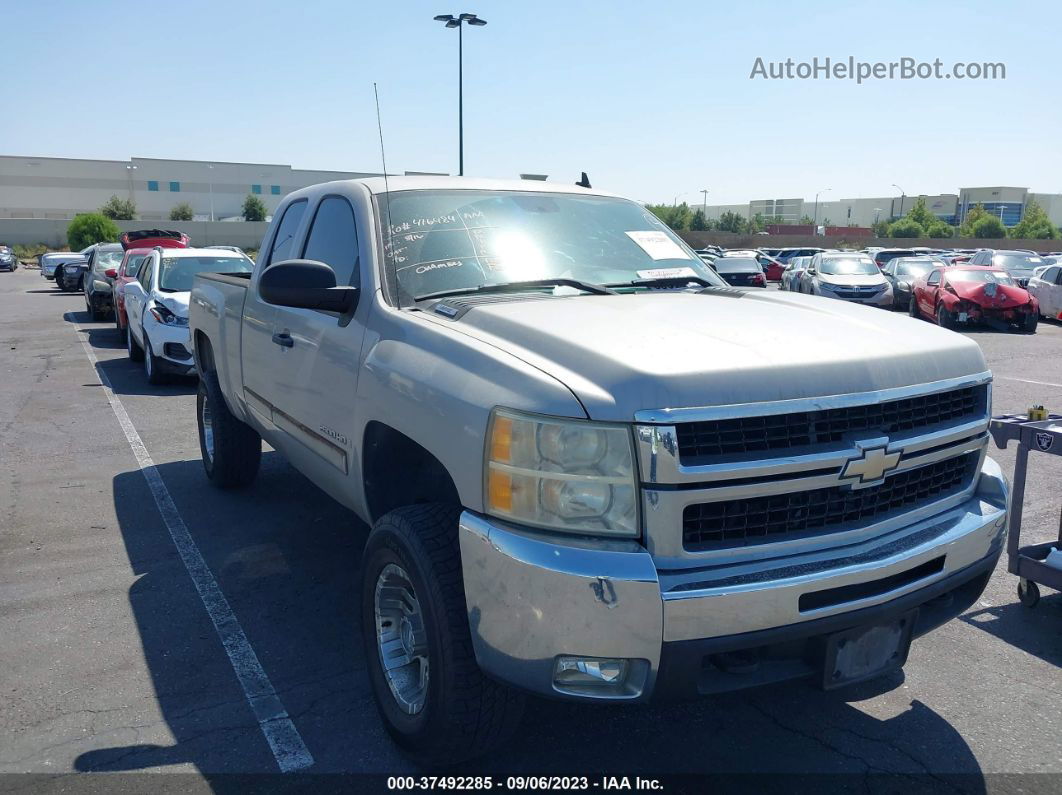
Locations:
{"points": [[176, 274], [452, 239]]}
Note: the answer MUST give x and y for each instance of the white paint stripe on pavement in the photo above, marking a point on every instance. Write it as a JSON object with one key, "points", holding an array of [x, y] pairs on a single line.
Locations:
{"points": [[288, 748], [1028, 381]]}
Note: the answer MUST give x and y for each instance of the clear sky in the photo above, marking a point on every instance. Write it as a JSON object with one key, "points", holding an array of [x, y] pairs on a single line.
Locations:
{"points": [[652, 99]]}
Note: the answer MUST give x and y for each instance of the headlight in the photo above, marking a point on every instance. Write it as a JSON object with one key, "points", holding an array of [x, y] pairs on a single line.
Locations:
{"points": [[165, 316], [569, 475]]}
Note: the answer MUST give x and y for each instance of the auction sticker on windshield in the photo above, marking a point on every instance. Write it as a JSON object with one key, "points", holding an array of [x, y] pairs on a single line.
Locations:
{"points": [[667, 273], [658, 245]]}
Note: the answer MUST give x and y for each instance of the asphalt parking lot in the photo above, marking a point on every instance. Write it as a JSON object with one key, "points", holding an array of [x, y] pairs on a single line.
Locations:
{"points": [[109, 662]]}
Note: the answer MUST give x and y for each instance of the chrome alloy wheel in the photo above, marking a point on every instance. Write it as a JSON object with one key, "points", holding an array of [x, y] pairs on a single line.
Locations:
{"points": [[401, 639]]}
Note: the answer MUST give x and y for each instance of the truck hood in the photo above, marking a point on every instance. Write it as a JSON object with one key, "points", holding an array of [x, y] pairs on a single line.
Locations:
{"points": [[658, 350]]}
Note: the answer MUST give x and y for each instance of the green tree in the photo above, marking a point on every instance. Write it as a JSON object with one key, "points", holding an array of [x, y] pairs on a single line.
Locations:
{"points": [[976, 213], [989, 228], [1035, 224], [254, 209], [759, 223], [89, 228], [880, 228], [732, 222], [698, 223], [905, 227], [806, 220], [938, 229], [119, 209], [182, 212], [920, 214]]}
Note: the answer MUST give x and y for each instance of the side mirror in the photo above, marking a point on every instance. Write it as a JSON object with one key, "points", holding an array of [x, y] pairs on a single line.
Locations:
{"points": [[306, 284], [111, 273]]}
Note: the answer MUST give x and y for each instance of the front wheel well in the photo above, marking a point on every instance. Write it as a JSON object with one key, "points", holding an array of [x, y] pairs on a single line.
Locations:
{"points": [[204, 353], [398, 471]]}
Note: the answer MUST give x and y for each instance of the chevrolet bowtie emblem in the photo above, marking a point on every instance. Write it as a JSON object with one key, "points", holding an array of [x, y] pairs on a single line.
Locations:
{"points": [[871, 466]]}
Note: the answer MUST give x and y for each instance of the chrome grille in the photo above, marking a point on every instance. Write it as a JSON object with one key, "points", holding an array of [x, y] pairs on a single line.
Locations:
{"points": [[714, 438], [767, 519]]}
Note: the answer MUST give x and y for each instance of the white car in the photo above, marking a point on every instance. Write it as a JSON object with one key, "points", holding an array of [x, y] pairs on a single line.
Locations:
{"points": [[1046, 286], [793, 273], [156, 304]]}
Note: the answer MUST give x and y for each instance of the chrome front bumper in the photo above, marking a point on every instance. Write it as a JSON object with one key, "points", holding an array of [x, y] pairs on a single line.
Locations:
{"points": [[533, 597]]}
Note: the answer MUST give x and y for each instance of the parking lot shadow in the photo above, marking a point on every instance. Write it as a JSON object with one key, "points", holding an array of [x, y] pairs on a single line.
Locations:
{"points": [[1034, 631], [287, 557]]}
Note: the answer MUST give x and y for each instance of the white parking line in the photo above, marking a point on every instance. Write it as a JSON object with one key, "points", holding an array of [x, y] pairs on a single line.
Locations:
{"points": [[284, 740], [1028, 381]]}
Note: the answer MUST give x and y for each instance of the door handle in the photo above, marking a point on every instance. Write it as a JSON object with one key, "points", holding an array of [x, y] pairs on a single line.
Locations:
{"points": [[283, 339]]}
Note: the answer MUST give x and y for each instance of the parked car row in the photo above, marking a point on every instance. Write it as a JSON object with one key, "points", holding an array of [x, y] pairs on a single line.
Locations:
{"points": [[144, 281]]}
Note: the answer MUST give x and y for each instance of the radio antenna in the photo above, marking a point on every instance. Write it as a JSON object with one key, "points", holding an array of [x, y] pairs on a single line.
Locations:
{"points": [[389, 249]]}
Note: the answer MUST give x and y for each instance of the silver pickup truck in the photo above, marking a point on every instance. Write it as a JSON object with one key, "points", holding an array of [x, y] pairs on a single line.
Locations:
{"points": [[592, 470]]}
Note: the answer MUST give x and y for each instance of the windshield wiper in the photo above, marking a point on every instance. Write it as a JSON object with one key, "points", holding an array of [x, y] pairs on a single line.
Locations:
{"points": [[666, 281], [508, 287]]}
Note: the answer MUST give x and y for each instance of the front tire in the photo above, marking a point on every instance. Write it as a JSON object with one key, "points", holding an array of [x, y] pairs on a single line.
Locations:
{"points": [[231, 449], [944, 317], [152, 367], [1030, 323], [434, 700]]}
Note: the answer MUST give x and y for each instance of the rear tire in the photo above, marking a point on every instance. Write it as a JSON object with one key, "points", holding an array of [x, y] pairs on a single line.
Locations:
{"points": [[461, 714], [231, 449]]}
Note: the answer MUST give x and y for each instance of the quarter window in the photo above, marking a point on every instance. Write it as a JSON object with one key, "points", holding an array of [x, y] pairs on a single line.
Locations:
{"points": [[284, 239], [333, 239]]}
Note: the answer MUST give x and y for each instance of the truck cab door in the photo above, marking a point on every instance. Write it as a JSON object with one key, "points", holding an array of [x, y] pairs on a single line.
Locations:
{"points": [[258, 353], [316, 362]]}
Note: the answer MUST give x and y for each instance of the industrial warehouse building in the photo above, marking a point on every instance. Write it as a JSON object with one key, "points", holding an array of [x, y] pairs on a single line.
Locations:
{"points": [[1008, 203], [59, 188]]}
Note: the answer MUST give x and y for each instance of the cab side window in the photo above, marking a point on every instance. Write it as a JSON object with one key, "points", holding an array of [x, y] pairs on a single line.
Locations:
{"points": [[284, 240], [333, 239]]}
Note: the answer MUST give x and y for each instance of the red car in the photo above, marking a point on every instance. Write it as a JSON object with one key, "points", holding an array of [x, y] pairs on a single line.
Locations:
{"points": [[149, 238], [123, 274], [972, 294], [772, 268]]}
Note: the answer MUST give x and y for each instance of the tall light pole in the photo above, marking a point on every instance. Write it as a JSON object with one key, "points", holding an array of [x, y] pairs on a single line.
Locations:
{"points": [[459, 22], [674, 202], [129, 171], [902, 197], [815, 223], [704, 207], [210, 183], [877, 214]]}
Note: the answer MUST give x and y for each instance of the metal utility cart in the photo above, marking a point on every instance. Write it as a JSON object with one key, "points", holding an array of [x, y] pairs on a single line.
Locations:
{"points": [[1038, 436]]}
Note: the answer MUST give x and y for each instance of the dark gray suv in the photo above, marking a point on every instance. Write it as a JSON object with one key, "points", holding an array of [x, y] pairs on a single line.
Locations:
{"points": [[98, 280]]}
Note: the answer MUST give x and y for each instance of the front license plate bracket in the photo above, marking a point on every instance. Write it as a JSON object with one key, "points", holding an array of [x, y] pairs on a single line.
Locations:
{"points": [[867, 651]]}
